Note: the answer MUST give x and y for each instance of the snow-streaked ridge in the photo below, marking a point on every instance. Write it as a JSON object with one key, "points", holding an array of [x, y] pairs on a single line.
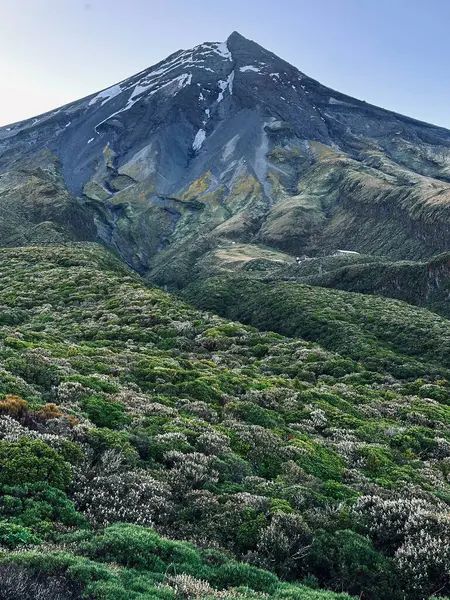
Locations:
{"points": [[222, 50], [183, 80], [155, 79]]}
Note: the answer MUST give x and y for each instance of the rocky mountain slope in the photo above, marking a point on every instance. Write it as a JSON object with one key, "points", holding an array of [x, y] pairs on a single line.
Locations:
{"points": [[225, 142]]}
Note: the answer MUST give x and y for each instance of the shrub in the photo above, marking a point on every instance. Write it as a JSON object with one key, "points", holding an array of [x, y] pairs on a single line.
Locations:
{"points": [[249, 530], [38, 506], [320, 461], [31, 461], [234, 574], [101, 440], [14, 406], [52, 575], [12, 536], [105, 414], [17, 583], [345, 560], [140, 548], [284, 544], [254, 414], [36, 366], [131, 497]]}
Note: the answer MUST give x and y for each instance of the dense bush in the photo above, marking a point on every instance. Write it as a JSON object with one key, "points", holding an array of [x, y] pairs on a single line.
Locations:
{"points": [[105, 414], [385, 335], [32, 461], [272, 458], [37, 505], [347, 560], [12, 536]]}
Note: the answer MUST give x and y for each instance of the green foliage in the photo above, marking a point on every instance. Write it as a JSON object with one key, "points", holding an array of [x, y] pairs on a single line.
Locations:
{"points": [[289, 459], [139, 548], [130, 546], [38, 506], [12, 536], [233, 574], [105, 414], [386, 335], [254, 414], [81, 577], [347, 560], [95, 384], [31, 461], [248, 532], [104, 439], [320, 461], [422, 283]]}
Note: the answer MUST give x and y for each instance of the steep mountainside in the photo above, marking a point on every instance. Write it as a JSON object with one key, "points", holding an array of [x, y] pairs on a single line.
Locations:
{"points": [[226, 141]]}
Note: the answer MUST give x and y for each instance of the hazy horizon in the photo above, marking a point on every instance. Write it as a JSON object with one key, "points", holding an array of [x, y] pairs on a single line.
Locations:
{"points": [[391, 55]]}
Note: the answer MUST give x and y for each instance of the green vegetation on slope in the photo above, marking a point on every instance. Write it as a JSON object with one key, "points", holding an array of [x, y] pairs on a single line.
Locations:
{"points": [[129, 420], [131, 562], [422, 283], [384, 335]]}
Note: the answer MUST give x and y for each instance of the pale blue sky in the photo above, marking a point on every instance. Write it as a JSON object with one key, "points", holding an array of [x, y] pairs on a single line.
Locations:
{"points": [[394, 53]]}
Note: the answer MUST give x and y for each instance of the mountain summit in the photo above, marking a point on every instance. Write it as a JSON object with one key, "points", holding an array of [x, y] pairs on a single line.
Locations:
{"points": [[225, 141]]}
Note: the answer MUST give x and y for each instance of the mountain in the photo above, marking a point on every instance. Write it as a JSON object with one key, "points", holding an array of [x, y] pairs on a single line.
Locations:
{"points": [[225, 142], [285, 435]]}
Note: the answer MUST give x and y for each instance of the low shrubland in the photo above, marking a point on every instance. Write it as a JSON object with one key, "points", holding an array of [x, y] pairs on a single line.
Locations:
{"points": [[152, 450]]}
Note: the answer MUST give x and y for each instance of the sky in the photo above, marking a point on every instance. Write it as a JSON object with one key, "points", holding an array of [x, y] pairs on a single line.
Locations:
{"points": [[392, 53]]}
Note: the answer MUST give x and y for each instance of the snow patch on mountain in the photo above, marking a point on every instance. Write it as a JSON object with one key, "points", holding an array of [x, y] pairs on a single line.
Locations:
{"points": [[107, 95], [249, 68], [223, 85], [178, 83], [229, 148], [222, 49], [198, 140]]}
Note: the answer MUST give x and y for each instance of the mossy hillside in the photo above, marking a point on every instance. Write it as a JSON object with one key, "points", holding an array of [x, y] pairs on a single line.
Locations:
{"points": [[423, 158], [236, 257], [314, 200], [197, 188], [423, 283], [210, 213], [37, 208], [384, 334], [274, 451]]}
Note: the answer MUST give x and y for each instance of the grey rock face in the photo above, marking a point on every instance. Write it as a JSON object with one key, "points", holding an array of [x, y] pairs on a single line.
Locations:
{"points": [[228, 140]]}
